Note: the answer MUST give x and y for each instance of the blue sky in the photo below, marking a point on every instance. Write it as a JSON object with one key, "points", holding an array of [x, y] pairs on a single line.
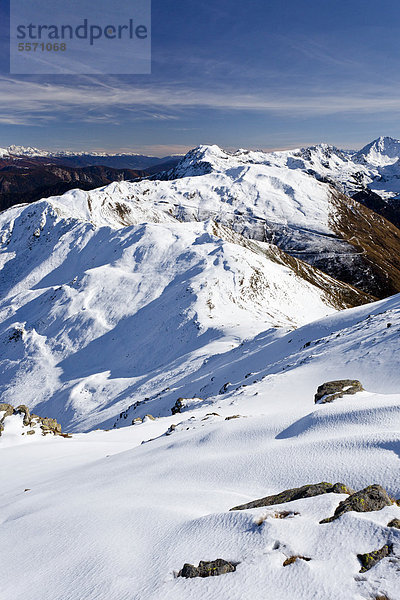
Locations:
{"points": [[253, 74]]}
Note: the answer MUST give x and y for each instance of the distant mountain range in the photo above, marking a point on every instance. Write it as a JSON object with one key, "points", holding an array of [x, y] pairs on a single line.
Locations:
{"points": [[370, 175], [123, 160], [336, 210], [264, 197], [28, 174]]}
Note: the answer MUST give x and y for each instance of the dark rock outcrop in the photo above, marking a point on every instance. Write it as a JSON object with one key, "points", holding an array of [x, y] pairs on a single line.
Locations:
{"points": [[374, 497], [50, 426], [370, 559], [306, 491], [178, 406], [207, 569], [394, 523], [331, 390]]}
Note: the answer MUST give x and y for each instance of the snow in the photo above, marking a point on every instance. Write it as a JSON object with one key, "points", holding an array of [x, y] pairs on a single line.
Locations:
{"points": [[241, 190], [30, 151], [130, 514], [111, 309], [379, 153], [26, 151], [375, 166], [96, 316]]}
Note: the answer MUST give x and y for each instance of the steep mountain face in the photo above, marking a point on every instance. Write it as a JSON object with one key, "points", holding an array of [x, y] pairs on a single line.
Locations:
{"points": [[263, 200], [327, 164], [381, 152], [375, 167], [34, 183], [98, 313], [371, 175]]}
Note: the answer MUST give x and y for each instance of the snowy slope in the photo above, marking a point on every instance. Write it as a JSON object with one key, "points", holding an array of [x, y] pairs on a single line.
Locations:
{"points": [[328, 163], [131, 513], [375, 167], [264, 200], [112, 310], [379, 153], [96, 314]]}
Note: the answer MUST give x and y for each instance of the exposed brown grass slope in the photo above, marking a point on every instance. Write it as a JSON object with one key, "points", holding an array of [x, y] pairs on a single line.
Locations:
{"points": [[376, 261], [338, 294]]}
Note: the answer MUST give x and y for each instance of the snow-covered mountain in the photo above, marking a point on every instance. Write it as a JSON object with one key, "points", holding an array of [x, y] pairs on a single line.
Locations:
{"points": [[375, 167], [96, 310], [132, 505], [260, 199], [23, 157], [141, 308], [30, 151], [381, 152]]}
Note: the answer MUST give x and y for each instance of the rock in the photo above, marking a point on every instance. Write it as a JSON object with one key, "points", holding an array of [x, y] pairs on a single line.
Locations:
{"points": [[137, 421], [281, 514], [331, 390], [292, 559], [370, 559], [47, 425], [178, 406], [371, 498], [8, 411], [170, 429], [394, 523], [207, 569], [50, 426], [149, 417], [16, 335], [189, 571], [232, 417], [307, 491], [26, 412], [224, 387]]}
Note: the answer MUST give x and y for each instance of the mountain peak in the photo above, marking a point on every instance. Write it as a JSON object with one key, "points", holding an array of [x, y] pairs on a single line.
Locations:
{"points": [[199, 161], [383, 151], [25, 151]]}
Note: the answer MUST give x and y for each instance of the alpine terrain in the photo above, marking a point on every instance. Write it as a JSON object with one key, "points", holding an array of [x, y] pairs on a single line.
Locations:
{"points": [[200, 384]]}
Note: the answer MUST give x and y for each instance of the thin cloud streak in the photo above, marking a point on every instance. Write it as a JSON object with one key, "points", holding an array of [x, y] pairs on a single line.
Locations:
{"points": [[33, 101]]}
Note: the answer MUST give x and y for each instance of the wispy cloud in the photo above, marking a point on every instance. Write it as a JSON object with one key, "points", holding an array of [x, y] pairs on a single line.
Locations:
{"points": [[29, 102]]}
